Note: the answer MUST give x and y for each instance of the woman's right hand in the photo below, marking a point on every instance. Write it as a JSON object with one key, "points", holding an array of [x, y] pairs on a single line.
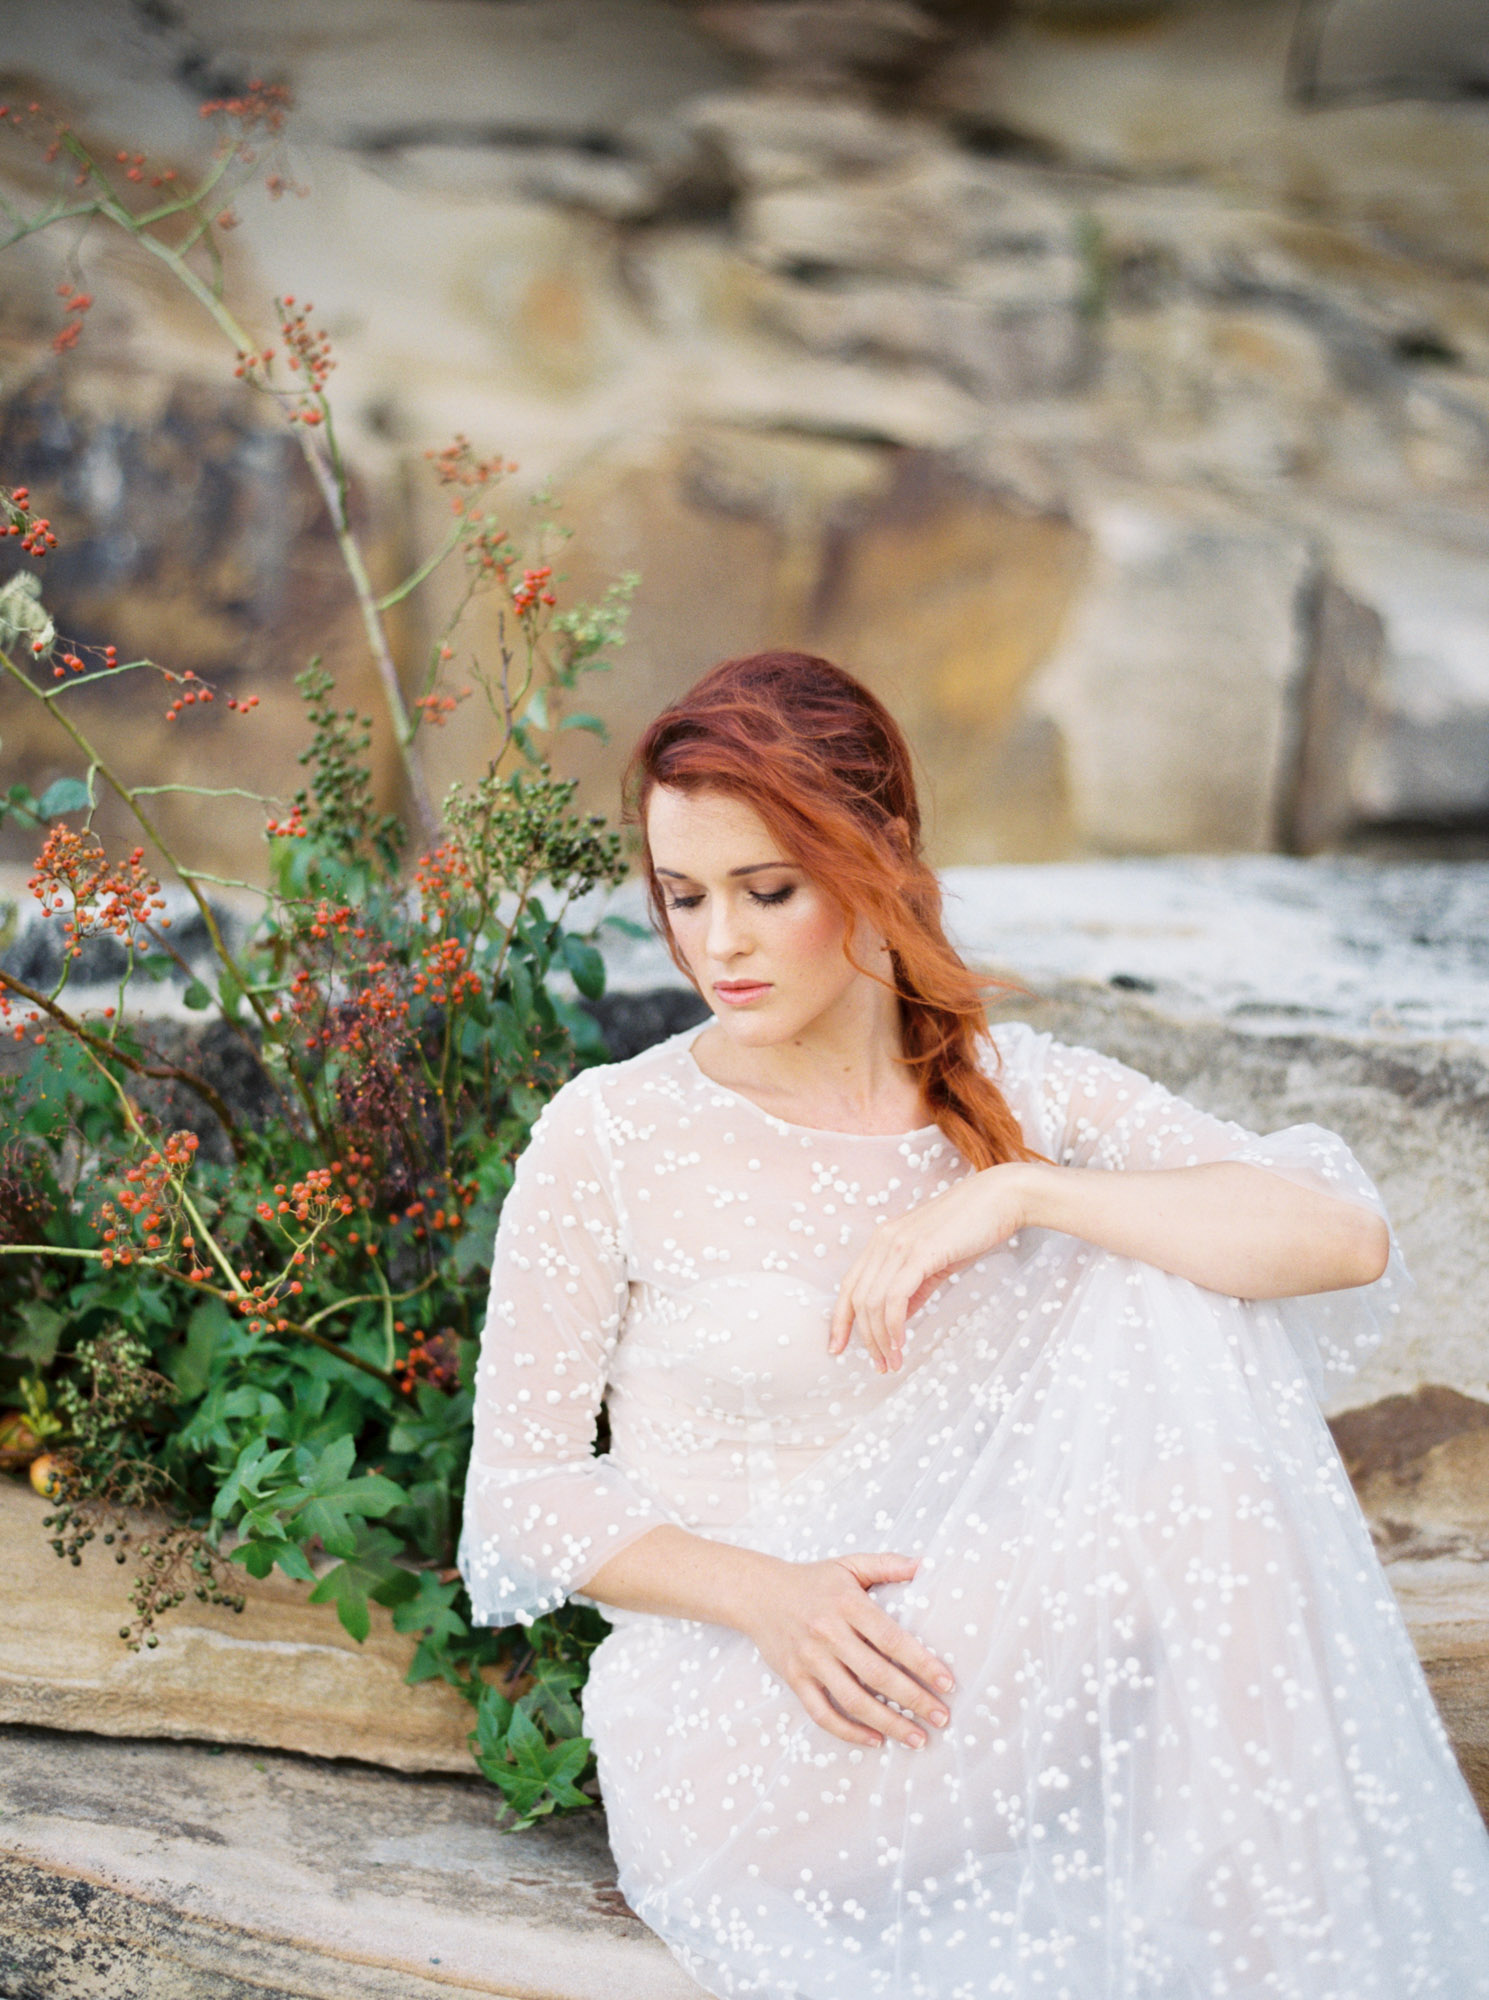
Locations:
{"points": [[843, 1656]]}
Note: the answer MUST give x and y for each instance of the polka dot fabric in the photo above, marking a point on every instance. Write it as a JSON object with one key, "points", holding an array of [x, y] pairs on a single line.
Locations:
{"points": [[1192, 1755]]}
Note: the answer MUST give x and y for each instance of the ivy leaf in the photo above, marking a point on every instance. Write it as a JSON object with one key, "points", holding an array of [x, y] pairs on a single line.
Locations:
{"points": [[196, 996], [430, 1609], [259, 1554], [328, 1497], [40, 1331], [369, 1572], [64, 795], [586, 966], [190, 1365]]}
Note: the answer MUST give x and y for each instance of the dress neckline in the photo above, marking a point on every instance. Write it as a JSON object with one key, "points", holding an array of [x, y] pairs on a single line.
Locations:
{"points": [[786, 1124]]}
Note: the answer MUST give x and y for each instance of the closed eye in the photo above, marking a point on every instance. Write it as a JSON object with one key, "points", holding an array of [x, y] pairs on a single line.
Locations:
{"points": [[770, 898]]}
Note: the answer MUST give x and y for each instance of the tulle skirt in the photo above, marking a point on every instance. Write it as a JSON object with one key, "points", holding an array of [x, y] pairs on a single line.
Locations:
{"points": [[1192, 1753]]}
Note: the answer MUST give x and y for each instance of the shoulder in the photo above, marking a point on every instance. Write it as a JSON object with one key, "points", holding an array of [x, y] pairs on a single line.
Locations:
{"points": [[645, 1089]]}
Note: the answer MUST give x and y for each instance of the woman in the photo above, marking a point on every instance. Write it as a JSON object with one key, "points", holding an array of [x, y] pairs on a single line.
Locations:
{"points": [[992, 1614]]}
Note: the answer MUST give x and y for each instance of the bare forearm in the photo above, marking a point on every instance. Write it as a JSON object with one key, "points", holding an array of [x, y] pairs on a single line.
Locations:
{"points": [[1229, 1227], [673, 1574]]}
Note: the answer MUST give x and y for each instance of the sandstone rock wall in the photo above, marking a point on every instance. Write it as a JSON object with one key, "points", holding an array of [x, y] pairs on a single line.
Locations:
{"points": [[1123, 419]]}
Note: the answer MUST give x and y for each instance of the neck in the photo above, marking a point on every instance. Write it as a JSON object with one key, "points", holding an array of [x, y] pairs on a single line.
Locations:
{"points": [[845, 1072]]}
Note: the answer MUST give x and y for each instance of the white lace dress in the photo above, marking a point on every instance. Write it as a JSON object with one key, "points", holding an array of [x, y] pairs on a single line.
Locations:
{"points": [[1192, 1752]]}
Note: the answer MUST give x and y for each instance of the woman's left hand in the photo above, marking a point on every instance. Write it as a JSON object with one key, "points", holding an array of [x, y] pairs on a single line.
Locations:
{"points": [[907, 1259]]}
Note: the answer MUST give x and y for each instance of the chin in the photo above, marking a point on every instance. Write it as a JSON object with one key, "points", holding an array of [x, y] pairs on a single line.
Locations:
{"points": [[758, 1027]]}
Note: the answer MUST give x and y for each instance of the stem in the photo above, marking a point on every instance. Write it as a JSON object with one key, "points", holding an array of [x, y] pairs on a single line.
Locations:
{"points": [[377, 638], [333, 493]]}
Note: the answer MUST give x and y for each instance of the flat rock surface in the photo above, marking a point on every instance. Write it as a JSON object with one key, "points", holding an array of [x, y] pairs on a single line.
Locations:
{"points": [[170, 1871], [167, 1871], [282, 1671]]}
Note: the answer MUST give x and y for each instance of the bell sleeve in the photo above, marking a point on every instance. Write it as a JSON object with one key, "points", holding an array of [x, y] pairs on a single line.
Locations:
{"points": [[542, 1512], [1091, 1111]]}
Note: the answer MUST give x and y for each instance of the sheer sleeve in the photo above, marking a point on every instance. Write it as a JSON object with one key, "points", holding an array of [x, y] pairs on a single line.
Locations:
{"points": [[1082, 1109], [542, 1513]]}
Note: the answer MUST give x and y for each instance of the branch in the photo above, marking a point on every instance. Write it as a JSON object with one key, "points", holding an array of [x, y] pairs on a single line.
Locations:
{"points": [[160, 1072]]}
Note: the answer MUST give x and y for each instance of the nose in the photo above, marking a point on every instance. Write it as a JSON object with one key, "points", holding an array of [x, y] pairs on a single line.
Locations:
{"points": [[727, 935]]}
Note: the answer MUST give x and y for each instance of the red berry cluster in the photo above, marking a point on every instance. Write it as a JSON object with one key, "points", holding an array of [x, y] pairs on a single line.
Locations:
{"points": [[192, 696], [308, 353], [436, 709], [35, 533], [291, 827], [145, 1213], [533, 590], [260, 104], [77, 302], [433, 1357], [74, 875]]}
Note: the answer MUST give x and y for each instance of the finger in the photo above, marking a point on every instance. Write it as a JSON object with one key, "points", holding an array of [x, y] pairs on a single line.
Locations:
{"points": [[847, 1692], [823, 1713], [868, 1305], [882, 1677], [874, 1624], [878, 1566]]}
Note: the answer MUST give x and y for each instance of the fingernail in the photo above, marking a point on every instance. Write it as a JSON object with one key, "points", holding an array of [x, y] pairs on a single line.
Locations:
{"points": [[945, 1683], [916, 1740], [940, 1717]]}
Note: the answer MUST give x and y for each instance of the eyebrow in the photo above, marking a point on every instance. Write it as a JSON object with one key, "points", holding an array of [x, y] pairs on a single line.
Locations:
{"points": [[754, 868]]}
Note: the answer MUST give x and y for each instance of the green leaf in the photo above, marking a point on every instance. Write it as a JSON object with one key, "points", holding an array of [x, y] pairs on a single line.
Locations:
{"points": [[586, 966], [196, 996], [369, 1572], [190, 1365], [259, 1555], [328, 1497], [64, 795], [41, 1328], [592, 723], [429, 1610]]}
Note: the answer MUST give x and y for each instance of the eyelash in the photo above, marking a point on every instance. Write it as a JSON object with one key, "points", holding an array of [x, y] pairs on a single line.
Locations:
{"points": [[771, 901]]}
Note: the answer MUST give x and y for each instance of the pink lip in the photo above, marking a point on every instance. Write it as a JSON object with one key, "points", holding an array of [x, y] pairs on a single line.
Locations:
{"points": [[739, 994]]}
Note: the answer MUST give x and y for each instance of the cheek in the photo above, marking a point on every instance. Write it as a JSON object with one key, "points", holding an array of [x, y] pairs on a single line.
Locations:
{"points": [[812, 936]]}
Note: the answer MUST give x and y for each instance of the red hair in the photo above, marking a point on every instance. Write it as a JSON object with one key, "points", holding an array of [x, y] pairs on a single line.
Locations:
{"points": [[824, 764]]}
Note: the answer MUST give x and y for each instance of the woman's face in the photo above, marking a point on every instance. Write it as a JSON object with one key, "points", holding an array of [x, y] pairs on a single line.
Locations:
{"points": [[762, 941]]}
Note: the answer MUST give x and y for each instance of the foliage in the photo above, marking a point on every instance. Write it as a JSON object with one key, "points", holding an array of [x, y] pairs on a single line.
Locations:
{"points": [[247, 1330]]}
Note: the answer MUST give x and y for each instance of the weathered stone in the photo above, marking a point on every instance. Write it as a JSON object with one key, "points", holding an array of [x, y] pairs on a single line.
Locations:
{"points": [[819, 44], [1203, 92], [1391, 1436], [176, 511], [155, 1871], [942, 594], [918, 219], [281, 1672], [780, 138], [1445, 1601], [1078, 265], [1424, 753], [1029, 340], [1420, 1466], [1335, 714], [1173, 684]]}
